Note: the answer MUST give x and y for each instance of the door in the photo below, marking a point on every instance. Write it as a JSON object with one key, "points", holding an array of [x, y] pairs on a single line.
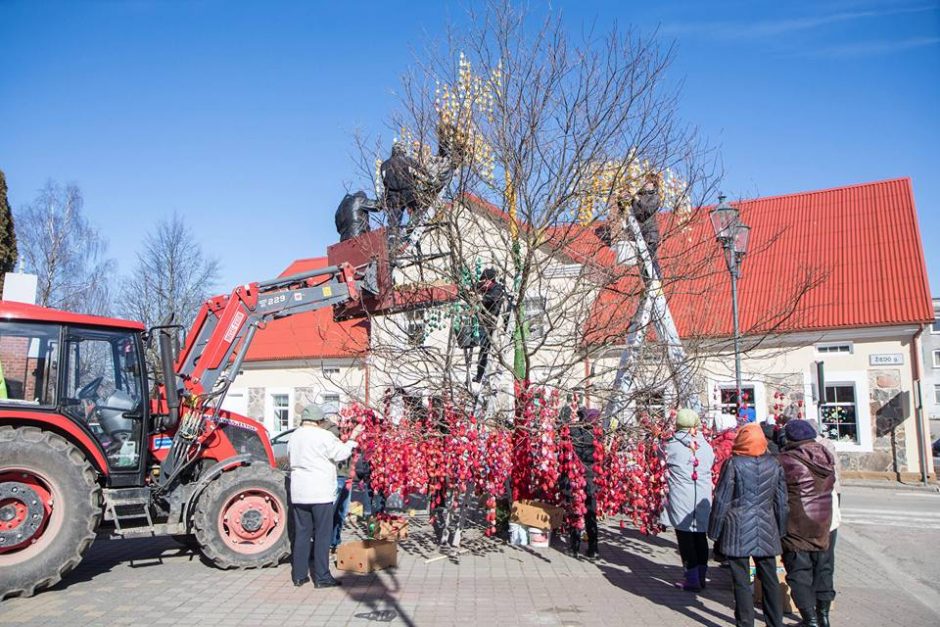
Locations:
{"points": [[103, 387]]}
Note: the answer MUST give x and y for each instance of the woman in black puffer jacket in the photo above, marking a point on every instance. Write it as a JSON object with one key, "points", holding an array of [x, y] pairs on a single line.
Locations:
{"points": [[748, 519]]}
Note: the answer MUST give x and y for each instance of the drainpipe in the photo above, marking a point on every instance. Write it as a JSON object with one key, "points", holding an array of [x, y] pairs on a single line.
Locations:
{"points": [[916, 369]]}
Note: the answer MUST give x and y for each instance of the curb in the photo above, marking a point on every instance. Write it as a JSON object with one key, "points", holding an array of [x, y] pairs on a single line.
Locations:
{"points": [[890, 485]]}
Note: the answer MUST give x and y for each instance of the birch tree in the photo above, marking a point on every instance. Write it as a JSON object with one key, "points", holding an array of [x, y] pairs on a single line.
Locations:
{"points": [[172, 276], [66, 252]]}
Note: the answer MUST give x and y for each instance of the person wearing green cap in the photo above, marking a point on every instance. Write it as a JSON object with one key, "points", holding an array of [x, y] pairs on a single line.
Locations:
{"points": [[314, 453], [689, 459]]}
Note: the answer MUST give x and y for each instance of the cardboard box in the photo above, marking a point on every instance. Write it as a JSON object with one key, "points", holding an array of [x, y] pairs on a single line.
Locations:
{"points": [[536, 514], [394, 530], [788, 606], [356, 509], [365, 556]]}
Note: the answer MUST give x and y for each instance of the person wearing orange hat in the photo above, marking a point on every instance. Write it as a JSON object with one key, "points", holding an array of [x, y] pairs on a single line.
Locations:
{"points": [[748, 520]]}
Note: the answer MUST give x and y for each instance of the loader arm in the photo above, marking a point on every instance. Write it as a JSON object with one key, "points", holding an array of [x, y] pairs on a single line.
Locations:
{"points": [[220, 337]]}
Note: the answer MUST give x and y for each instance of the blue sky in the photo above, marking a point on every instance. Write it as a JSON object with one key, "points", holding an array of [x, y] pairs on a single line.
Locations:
{"points": [[240, 115]]}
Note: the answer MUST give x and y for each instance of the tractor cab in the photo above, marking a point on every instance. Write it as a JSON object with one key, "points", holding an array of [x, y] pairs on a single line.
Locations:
{"points": [[84, 370]]}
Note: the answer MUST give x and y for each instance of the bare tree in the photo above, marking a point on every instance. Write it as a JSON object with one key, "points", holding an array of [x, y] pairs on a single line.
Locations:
{"points": [[553, 135], [172, 276], [66, 252]]}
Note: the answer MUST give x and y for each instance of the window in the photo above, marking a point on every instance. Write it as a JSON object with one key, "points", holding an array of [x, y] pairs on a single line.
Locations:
{"points": [[729, 402], [834, 348], [936, 394], [104, 388], [328, 370], [840, 413], [536, 316], [936, 359], [29, 356], [281, 403], [935, 327], [331, 398]]}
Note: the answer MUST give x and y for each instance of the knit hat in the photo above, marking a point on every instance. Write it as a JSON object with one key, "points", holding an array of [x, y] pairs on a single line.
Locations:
{"points": [[687, 419], [312, 413], [799, 430], [750, 441]]}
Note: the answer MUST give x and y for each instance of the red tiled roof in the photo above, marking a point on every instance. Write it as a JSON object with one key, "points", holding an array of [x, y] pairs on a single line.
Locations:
{"points": [[311, 335], [837, 258], [846, 257]]}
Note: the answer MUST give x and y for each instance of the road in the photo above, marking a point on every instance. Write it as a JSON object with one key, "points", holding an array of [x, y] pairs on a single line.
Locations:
{"points": [[886, 574], [896, 531]]}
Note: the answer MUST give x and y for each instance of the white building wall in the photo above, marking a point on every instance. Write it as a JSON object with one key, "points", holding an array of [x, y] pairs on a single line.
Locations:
{"points": [[260, 384], [884, 403]]}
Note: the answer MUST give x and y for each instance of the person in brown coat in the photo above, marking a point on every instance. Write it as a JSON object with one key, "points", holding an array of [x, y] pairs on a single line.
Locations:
{"points": [[810, 474]]}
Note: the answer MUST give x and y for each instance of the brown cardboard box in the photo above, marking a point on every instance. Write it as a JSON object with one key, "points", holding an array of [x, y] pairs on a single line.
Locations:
{"points": [[393, 530], [536, 514], [355, 509], [365, 556], [788, 606]]}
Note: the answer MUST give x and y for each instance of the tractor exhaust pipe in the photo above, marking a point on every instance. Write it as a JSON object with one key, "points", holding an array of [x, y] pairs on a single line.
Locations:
{"points": [[167, 361]]}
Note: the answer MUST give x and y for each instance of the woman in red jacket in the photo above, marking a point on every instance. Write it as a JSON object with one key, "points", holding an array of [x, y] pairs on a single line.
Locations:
{"points": [[810, 473]]}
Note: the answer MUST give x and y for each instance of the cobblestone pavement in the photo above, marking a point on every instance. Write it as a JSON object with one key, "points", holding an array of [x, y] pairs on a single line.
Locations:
{"points": [[154, 581]]}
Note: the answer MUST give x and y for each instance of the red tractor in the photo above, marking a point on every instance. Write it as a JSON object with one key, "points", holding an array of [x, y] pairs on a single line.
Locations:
{"points": [[86, 436]]}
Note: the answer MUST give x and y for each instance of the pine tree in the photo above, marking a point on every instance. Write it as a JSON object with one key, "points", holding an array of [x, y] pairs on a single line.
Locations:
{"points": [[8, 252]]}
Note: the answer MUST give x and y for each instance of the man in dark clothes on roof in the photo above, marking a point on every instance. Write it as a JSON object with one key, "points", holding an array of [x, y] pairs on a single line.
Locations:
{"points": [[645, 206]]}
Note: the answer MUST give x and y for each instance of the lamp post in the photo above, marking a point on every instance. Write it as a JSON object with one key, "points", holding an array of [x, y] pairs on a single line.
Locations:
{"points": [[732, 236]]}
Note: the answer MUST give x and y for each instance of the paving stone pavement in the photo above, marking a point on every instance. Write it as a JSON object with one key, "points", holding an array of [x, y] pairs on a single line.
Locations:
{"points": [[156, 582]]}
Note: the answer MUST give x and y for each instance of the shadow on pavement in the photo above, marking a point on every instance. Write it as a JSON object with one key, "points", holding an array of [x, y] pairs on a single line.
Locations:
{"points": [[105, 554], [377, 595], [625, 565]]}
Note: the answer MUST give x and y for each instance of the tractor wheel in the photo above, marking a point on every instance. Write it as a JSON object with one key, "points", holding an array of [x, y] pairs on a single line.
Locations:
{"points": [[241, 518], [50, 506]]}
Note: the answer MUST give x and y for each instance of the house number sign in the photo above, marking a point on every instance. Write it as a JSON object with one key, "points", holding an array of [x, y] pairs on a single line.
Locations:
{"points": [[886, 359]]}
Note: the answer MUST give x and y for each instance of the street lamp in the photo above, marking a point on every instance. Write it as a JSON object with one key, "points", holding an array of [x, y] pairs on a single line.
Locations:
{"points": [[733, 236]]}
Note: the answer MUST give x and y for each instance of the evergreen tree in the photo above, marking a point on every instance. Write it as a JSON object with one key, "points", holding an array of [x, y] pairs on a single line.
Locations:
{"points": [[8, 252]]}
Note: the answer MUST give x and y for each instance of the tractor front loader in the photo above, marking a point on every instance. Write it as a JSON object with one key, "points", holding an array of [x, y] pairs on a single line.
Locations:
{"points": [[86, 436]]}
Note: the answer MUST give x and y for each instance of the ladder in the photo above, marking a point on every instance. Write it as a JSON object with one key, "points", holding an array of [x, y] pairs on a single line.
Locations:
{"points": [[653, 308]]}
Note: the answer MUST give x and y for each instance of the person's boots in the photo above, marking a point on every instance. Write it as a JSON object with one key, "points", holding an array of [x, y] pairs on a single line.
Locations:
{"points": [[691, 583], [592, 550], [809, 618], [574, 547], [702, 572], [822, 613]]}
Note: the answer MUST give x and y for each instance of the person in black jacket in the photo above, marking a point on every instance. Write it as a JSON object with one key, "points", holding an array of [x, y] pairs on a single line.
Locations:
{"points": [[770, 433], [400, 180], [491, 294], [748, 519], [352, 215], [582, 439]]}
